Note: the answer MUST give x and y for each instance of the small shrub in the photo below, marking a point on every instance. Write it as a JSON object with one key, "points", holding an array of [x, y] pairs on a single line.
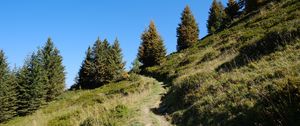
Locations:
{"points": [[121, 111], [209, 56], [134, 77], [64, 120], [88, 122]]}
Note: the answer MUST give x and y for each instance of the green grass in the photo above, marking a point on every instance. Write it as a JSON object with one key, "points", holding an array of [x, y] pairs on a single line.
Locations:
{"points": [[247, 74], [110, 105]]}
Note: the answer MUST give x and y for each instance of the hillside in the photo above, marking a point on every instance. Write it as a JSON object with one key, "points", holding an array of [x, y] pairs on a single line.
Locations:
{"points": [[247, 74], [123, 103]]}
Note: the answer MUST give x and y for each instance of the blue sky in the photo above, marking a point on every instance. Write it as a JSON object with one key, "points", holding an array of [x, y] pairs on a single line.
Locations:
{"points": [[74, 25]]}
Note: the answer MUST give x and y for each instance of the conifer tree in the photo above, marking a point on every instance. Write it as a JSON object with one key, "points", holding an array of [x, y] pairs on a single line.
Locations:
{"points": [[232, 9], [85, 77], [108, 62], [7, 90], [102, 73], [31, 85], [251, 5], [118, 64], [241, 3], [216, 17], [52, 64], [187, 31], [151, 51], [136, 66], [103, 64]]}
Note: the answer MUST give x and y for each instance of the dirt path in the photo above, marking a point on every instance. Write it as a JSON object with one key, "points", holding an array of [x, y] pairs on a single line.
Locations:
{"points": [[145, 107]]}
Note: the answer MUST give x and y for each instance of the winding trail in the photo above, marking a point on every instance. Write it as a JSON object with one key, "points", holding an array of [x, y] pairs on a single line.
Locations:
{"points": [[144, 108]]}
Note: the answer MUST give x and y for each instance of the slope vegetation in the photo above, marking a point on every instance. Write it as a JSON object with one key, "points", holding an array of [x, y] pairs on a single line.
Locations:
{"points": [[123, 103], [247, 74]]}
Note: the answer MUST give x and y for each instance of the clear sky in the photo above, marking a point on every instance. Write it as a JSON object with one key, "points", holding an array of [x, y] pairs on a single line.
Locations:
{"points": [[74, 25]]}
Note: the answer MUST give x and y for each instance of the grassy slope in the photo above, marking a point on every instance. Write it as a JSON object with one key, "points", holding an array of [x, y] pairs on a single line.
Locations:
{"points": [[248, 74], [121, 103]]}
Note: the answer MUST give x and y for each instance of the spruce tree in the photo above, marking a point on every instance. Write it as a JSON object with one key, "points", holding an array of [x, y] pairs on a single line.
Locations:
{"points": [[136, 66], [52, 64], [85, 75], [31, 85], [7, 90], [103, 64], [117, 64], [99, 52], [151, 51], [108, 62], [251, 5], [187, 31], [232, 9], [216, 17]]}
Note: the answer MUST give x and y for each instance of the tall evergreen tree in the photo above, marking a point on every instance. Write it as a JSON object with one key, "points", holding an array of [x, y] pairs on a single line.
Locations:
{"points": [[52, 64], [7, 90], [99, 63], [216, 17], [251, 5], [187, 31], [85, 77], [31, 85], [232, 9], [118, 64], [103, 64], [151, 51]]}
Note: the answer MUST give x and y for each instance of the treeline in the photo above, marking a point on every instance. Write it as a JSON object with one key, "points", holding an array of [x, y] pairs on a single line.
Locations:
{"points": [[103, 64], [38, 81]]}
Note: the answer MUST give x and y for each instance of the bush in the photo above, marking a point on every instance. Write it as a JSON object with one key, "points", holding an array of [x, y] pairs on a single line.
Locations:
{"points": [[88, 122], [120, 111]]}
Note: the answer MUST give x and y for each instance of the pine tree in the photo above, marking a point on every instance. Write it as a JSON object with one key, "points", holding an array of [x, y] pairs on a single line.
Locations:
{"points": [[103, 64], [216, 17], [117, 64], [151, 51], [31, 85], [108, 62], [136, 66], [100, 74], [187, 31], [251, 5], [52, 64], [232, 9], [85, 75], [7, 90]]}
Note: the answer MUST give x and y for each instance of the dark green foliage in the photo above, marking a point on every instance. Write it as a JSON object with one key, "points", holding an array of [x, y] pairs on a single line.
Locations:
{"points": [[117, 64], [7, 90], [103, 64], [187, 31], [40, 80], [136, 66], [88, 122], [232, 9], [31, 85], [151, 51], [52, 64], [120, 111], [216, 17], [251, 5], [85, 74]]}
